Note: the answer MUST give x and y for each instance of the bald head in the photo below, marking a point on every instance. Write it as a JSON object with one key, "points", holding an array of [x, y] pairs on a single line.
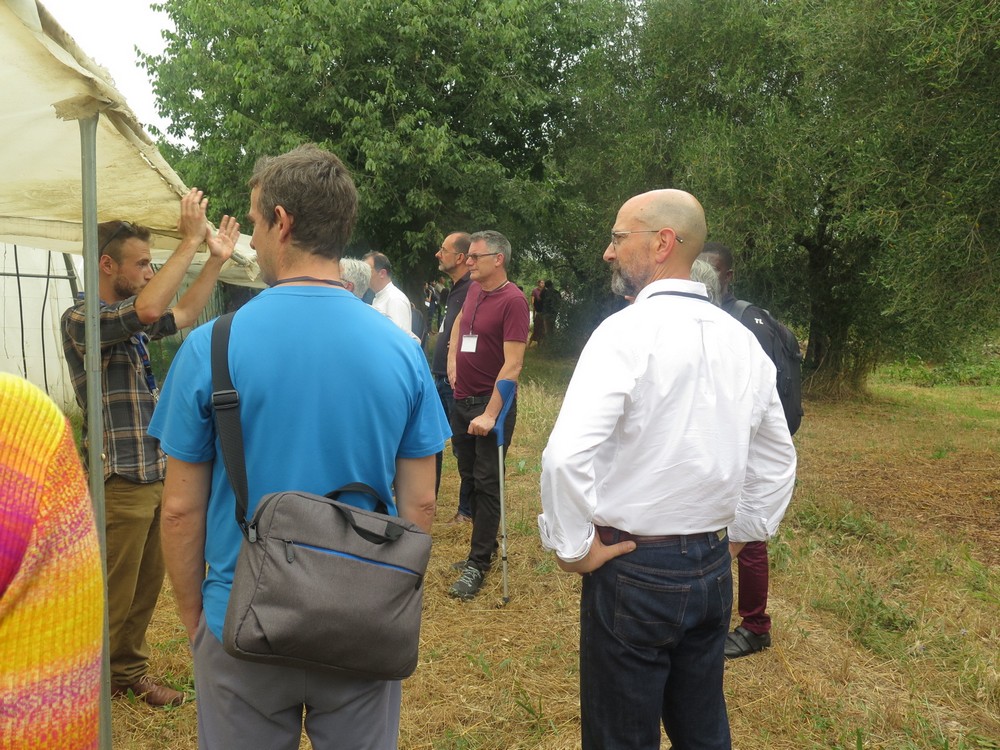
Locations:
{"points": [[657, 235], [674, 209]]}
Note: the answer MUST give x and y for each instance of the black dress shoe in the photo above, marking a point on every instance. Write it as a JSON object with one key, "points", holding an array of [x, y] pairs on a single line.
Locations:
{"points": [[741, 642]]}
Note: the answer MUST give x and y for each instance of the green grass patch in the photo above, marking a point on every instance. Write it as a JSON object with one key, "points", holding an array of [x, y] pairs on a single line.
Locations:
{"points": [[839, 521]]}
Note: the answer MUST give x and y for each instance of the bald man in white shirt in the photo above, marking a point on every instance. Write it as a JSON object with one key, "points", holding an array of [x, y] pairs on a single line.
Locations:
{"points": [[671, 432]]}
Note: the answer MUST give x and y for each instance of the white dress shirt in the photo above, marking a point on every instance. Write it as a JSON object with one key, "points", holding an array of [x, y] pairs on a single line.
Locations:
{"points": [[671, 425], [395, 305]]}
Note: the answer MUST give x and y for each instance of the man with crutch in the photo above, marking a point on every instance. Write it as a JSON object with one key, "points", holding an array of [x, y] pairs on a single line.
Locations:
{"points": [[487, 345]]}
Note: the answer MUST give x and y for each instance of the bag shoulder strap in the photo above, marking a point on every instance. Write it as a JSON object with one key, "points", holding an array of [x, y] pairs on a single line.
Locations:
{"points": [[739, 308], [226, 404]]}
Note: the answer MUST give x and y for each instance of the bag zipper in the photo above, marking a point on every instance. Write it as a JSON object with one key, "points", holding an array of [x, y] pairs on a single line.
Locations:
{"points": [[290, 556]]}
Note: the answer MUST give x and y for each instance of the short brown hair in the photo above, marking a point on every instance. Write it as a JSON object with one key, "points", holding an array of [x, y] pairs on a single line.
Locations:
{"points": [[316, 190], [112, 235]]}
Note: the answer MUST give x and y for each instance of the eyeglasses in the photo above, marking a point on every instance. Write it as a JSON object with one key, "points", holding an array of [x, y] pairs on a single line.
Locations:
{"points": [[124, 225], [474, 257], [618, 236]]}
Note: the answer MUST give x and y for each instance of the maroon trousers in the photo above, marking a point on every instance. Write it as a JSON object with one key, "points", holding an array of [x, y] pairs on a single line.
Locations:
{"points": [[752, 599]]}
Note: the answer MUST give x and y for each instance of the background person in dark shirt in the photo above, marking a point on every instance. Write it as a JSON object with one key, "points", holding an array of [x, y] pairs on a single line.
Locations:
{"points": [[451, 260]]}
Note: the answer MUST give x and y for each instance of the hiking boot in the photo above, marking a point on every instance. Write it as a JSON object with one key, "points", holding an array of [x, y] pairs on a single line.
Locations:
{"points": [[151, 692], [468, 584], [463, 564], [458, 519]]}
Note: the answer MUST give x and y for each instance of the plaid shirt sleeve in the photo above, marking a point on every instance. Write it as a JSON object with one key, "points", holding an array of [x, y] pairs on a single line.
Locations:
{"points": [[128, 401]]}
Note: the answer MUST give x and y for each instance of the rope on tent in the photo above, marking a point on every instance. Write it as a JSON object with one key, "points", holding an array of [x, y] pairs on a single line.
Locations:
{"points": [[20, 308], [41, 322]]}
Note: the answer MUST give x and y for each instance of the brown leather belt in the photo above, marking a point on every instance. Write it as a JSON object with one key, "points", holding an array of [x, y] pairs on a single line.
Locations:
{"points": [[610, 535]]}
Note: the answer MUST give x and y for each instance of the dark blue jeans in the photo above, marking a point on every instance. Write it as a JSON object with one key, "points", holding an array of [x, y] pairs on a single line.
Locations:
{"points": [[653, 626], [465, 488]]}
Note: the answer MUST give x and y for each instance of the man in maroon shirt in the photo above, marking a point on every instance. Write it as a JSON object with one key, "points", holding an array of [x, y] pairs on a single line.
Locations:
{"points": [[487, 344]]}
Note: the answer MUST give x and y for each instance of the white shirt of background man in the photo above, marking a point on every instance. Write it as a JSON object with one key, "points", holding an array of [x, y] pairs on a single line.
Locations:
{"points": [[395, 305], [671, 424]]}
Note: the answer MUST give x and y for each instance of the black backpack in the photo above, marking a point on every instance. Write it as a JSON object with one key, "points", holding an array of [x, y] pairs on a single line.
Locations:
{"points": [[787, 359], [418, 324]]}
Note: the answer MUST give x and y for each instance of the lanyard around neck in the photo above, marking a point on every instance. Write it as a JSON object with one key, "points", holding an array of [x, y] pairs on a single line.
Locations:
{"points": [[483, 294], [140, 340], [330, 282], [692, 295]]}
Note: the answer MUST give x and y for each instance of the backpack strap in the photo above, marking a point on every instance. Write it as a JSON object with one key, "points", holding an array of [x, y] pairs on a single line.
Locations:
{"points": [[739, 308], [226, 405]]}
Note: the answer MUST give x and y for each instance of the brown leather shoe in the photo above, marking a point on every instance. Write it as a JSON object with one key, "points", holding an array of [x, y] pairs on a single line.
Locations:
{"points": [[458, 518], [151, 692]]}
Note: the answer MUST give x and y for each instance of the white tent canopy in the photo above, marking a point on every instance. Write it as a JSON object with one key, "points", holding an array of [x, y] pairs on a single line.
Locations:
{"points": [[49, 83], [63, 128]]}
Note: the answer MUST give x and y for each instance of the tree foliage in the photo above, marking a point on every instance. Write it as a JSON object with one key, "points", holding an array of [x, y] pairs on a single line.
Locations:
{"points": [[845, 149], [443, 109]]}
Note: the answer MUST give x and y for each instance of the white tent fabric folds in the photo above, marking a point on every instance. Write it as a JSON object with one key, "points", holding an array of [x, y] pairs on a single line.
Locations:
{"points": [[48, 84], [53, 97]]}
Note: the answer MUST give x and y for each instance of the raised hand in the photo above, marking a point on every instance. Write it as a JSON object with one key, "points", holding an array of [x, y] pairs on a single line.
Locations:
{"points": [[221, 245], [193, 224]]}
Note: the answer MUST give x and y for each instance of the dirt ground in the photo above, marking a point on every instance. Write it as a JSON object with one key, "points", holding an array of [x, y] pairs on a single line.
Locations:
{"points": [[884, 594]]}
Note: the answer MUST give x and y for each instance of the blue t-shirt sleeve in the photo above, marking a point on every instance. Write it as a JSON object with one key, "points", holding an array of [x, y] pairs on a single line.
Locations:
{"points": [[427, 428], [183, 420]]}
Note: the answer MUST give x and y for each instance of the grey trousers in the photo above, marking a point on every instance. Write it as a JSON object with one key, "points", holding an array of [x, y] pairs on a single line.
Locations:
{"points": [[243, 704]]}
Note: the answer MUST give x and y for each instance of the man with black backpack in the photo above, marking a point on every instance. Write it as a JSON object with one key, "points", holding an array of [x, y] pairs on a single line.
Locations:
{"points": [[754, 632]]}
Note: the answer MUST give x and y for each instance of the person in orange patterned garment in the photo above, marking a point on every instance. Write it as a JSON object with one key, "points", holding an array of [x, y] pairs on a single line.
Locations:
{"points": [[51, 589]]}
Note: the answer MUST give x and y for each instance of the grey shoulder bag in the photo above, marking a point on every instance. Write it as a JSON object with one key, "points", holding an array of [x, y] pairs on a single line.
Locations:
{"points": [[318, 583]]}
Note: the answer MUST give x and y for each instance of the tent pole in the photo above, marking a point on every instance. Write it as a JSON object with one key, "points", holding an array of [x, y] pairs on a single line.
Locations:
{"points": [[95, 402]]}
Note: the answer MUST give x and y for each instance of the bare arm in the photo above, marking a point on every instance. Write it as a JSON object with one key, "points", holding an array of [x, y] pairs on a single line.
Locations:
{"points": [[453, 351], [513, 360], [155, 298], [414, 485], [182, 530], [220, 248]]}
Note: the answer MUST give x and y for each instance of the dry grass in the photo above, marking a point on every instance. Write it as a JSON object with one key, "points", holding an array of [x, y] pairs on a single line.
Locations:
{"points": [[885, 596]]}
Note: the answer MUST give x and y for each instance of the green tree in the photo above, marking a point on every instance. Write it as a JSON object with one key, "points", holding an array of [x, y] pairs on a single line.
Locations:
{"points": [[443, 109], [845, 149]]}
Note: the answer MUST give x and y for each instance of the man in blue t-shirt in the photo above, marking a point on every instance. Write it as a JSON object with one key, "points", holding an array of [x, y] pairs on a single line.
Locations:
{"points": [[331, 392]]}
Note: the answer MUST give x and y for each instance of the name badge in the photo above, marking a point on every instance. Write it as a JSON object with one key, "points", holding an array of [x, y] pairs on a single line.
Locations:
{"points": [[469, 342]]}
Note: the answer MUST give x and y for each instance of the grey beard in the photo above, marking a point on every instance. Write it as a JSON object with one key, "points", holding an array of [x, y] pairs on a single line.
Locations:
{"points": [[621, 285]]}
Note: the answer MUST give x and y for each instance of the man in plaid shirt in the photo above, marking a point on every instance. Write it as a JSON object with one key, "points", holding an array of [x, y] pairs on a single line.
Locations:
{"points": [[135, 309]]}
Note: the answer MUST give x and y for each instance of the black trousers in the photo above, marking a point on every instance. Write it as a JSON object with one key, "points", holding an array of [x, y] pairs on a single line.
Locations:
{"points": [[479, 460]]}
